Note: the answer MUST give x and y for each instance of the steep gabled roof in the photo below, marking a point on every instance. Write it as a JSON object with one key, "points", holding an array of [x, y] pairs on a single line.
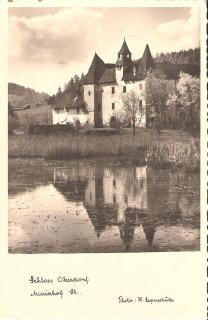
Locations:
{"points": [[68, 101], [124, 48], [147, 60], [63, 100], [95, 71], [109, 76]]}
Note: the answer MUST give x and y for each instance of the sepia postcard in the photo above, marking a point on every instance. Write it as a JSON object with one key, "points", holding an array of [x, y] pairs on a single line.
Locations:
{"points": [[103, 159]]}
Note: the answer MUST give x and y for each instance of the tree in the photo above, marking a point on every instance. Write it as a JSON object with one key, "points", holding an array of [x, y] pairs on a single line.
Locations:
{"points": [[187, 98], [156, 95], [133, 109]]}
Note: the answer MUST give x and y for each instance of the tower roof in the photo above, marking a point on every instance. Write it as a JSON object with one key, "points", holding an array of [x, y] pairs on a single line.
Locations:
{"points": [[147, 60], [124, 48], [95, 71]]}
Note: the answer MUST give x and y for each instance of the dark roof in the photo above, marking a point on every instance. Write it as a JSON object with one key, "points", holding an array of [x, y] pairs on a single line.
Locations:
{"points": [[138, 69], [95, 71], [147, 60], [66, 100], [63, 100], [124, 48], [109, 76]]}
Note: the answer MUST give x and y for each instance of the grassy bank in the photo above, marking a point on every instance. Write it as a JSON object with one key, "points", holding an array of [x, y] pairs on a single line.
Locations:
{"points": [[165, 150]]}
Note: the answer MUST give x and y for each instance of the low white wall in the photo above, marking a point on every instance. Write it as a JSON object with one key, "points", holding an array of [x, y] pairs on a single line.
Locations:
{"points": [[61, 116]]}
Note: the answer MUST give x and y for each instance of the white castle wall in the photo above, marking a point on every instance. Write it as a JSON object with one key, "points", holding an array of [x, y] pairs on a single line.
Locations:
{"points": [[116, 98], [89, 98]]}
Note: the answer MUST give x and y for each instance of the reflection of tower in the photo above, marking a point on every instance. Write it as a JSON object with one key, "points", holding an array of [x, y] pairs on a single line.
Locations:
{"points": [[127, 228], [149, 230]]}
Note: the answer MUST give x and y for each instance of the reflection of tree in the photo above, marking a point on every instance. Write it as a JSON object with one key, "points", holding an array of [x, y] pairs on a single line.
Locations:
{"points": [[28, 174]]}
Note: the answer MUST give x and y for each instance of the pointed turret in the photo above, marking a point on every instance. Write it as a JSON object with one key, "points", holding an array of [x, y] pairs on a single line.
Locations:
{"points": [[147, 60], [124, 56], [95, 71], [124, 49]]}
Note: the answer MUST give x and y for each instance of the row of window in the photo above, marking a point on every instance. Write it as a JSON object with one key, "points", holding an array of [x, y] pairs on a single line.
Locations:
{"points": [[124, 88], [113, 104], [113, 89]]}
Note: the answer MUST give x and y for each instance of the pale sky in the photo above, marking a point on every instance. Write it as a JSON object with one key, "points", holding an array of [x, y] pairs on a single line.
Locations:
{"points": [[47, 46]]}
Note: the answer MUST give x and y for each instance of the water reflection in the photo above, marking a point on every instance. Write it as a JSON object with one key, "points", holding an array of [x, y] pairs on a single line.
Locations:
{"points": [[117, 196], [125, 201]]}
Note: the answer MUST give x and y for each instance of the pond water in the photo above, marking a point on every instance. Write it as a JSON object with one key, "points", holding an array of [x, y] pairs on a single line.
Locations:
{"points": [[101, 206]]}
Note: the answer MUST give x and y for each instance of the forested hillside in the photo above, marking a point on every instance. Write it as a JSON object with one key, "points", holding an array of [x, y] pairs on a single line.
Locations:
{"points": [[191, 56], [73, 86], [20, 97]]}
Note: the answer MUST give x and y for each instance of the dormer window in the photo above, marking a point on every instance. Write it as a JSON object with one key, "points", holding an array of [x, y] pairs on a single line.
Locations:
{"points": [[89, 93], [113, 106], [124, 89], [112, 90]]}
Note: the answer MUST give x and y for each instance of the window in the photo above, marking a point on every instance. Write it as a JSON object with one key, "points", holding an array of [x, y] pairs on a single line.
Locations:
{"points": [[89, 93], [112, 90], [140, 103], [114, 198], [140, 86], [113, 106], [124, 89], [114, 183]]}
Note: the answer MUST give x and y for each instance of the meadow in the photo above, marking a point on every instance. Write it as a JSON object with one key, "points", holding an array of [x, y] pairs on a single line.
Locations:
{"points": [[169, 149], [37, 115]]}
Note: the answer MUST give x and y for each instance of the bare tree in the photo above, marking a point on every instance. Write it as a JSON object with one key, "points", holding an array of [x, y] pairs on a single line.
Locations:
{"points": [[133, 109]]}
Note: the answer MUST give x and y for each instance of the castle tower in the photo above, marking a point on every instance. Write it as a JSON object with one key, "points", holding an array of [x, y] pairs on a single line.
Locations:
{"points": [[92, 93], [124, 61]]}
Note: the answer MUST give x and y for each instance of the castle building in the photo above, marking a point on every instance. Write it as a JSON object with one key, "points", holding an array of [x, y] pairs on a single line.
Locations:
{"points": [[106, 84]]}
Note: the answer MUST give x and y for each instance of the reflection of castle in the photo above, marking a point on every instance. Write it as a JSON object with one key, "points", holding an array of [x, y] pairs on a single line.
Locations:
{"points": [[111, 196]]}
